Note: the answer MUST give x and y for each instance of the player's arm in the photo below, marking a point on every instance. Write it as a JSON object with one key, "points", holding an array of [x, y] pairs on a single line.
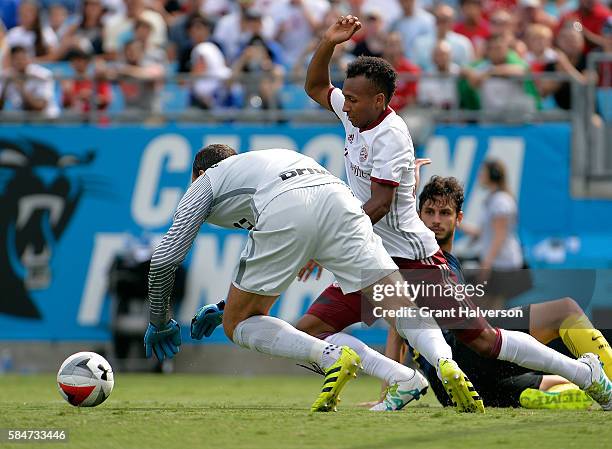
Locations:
{"points": [[381, 197], [163, 336], [318, 82], [192, 211]]}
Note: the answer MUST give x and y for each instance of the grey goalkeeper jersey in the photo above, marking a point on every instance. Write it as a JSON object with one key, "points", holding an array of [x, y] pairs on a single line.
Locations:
{"points": [[231, 194]]}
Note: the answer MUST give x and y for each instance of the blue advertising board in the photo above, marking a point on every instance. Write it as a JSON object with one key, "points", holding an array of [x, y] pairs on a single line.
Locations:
{"points": [[71, 195]]}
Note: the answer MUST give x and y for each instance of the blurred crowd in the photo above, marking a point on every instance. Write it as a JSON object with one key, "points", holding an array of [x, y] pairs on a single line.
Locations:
{"points": [[470, 54]]}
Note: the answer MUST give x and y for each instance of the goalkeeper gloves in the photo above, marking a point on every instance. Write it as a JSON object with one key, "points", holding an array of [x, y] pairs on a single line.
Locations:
{"points": [[164, 341], [206, 319]]}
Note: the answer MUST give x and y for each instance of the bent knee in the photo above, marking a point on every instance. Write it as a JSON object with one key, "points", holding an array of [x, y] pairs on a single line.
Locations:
{"points": [[570, 306], [484, 344]]}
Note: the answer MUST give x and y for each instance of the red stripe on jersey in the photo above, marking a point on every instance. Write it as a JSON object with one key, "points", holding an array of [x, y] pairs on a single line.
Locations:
{"points": [[384, 181], [378, 121], [76, 395]]}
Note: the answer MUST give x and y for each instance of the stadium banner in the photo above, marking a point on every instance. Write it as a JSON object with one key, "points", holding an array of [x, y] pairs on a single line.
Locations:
{"points": [[73, 198]]}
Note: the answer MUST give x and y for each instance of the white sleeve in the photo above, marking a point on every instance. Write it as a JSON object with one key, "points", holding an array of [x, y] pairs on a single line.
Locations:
{"points": [[335, 99], [502, 205], [393, 155], [192, 211]]}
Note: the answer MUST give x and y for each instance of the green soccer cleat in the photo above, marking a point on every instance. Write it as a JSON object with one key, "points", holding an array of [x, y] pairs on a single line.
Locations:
{"points": [[600, 388], [336, 377], [460, 390], [571, 398]]}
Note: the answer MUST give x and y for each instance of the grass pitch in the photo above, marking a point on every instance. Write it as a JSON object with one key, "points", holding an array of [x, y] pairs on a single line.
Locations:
{"points": [[197, 411]]}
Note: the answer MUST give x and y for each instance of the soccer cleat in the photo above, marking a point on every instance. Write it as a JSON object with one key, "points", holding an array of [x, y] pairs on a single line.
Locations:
{"points": [[600, 388], [401, 393], [336, 377], [460, 390], [569, 398]]}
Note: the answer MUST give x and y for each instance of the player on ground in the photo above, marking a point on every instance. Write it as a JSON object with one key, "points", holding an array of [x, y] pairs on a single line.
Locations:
{"points": [[502, 384], [379, 161], [295, 211]]}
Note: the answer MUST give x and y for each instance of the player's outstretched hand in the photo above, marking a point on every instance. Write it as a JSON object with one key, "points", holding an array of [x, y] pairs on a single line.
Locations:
{"points": [[206, 319], [308, 269], [418, 163], [343, 29], [164, 342]]}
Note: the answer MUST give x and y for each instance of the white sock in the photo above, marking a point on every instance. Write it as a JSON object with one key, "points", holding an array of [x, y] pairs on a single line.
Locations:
{"points": [[374, 363], [526, 351], [276, 337], [425, 336]]}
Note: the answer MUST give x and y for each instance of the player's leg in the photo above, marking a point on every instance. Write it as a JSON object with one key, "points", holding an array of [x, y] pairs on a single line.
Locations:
{"points": [[524, 350], [333, 311], [279, 245], [565, 318]]}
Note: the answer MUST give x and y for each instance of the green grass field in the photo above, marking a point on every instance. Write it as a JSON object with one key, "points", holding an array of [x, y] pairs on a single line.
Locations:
{"points": [[197, 411]]}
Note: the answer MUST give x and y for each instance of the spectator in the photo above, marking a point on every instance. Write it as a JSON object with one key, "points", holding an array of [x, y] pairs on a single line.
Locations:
{"points": [[139, 80], [89, 28], [263, 78], [296, 23], [199, 29], [59, 20], [374, 36], [4, 49], [38, 40], [143, 32], [488, 84], [592, 15], [178, 33], [531, 12], [539, 47], [215, 9], [206, 60], [462, 51], [440, 90], [86, 89], [570, 60], [414, 22], [502, 23], [473, 24], [498, 240], [604, 68], [28, 86], [120, 28], [234, 30], [406, 89]]}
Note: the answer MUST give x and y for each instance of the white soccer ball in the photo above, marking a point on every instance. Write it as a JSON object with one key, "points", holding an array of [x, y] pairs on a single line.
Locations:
{"points": [[85, 379]]}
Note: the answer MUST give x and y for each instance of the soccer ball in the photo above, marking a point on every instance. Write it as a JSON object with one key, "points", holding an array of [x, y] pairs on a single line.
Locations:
{"points": [[85, 379]]}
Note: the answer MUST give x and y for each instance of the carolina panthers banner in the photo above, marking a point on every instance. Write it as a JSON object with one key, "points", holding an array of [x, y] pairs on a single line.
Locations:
{"points": [[74, 197]]}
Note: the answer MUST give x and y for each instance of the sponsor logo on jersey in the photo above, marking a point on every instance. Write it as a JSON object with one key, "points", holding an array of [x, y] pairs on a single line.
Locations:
{"points": [[359, 172], [351, 138], [363, 154], [300, 172]]}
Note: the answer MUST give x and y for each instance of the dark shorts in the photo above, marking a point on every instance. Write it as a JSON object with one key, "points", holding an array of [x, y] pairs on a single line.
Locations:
{"points": [[340, 310]]}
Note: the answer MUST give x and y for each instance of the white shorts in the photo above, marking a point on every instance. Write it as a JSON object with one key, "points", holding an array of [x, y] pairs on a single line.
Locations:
{"points": [[325, 223]]}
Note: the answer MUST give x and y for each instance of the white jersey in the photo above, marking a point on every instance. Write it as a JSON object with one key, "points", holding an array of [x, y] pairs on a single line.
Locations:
{"points": [[231, 194], [383, 153]]}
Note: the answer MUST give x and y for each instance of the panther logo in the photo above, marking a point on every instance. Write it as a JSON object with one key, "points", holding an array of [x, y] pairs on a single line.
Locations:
{"points": [[38, 197]]}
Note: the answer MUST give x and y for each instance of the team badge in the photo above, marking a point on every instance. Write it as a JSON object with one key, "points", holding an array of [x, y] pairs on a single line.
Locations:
{"points": [[363, 154]]}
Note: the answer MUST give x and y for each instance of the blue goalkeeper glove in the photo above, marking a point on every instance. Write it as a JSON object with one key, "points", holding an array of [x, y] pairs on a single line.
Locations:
{"points": [[164, 341], [206, 319]]}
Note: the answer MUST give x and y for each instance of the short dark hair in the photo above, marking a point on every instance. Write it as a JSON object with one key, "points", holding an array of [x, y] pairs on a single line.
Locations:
{"points": [[440, 189], [18, 49], [496, 173], [378, 71], [211, 155]]}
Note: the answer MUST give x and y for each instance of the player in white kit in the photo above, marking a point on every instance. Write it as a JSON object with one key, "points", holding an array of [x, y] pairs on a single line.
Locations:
{"points": [[380, 163], [295, 211]]}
